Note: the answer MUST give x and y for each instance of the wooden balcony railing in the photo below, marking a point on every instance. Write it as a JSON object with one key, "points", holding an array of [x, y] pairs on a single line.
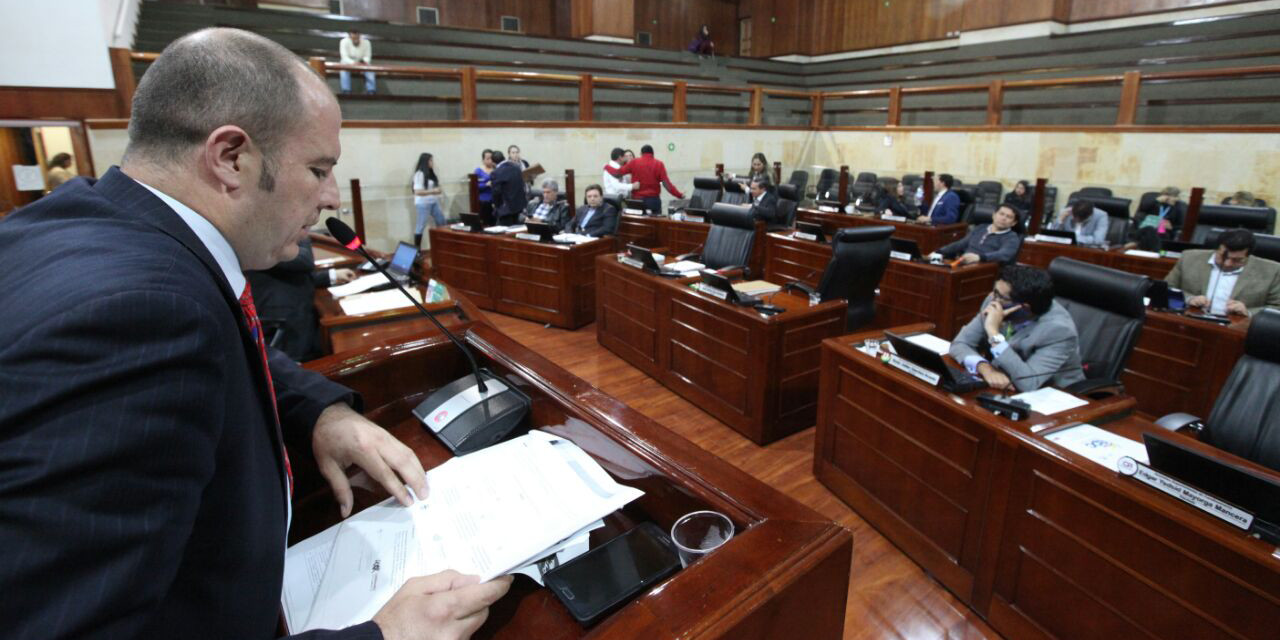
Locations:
{"points": [[821, 103]]}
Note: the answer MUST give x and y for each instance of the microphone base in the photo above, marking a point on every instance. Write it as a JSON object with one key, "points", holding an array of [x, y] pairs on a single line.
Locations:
{"points": [[464, 420]]}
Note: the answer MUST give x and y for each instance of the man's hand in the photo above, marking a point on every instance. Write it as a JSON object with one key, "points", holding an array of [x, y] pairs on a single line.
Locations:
{"points": [[1237, 307], [922, 220], [992, 317], [343, 276], [343, 437], [1197, 301], [444, 606], [995, 378], [970, 258]]}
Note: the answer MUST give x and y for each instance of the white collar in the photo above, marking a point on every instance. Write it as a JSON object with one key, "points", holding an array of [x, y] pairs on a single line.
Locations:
{"points": [[1214, 266], [614, 164], [996, 233], [209, 235]]}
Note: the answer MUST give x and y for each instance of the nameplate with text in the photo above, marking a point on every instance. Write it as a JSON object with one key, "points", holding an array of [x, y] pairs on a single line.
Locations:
{"points": [[713, 291], [901, 255], [633, 212], [689, 218], [828, 209], [1054, 239], [805, 236], [631, 262], [907, 366], [529, 236], [1205, 502], [894, 218]]}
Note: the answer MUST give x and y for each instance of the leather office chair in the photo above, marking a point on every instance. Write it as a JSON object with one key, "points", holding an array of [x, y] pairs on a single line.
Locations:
{"points": [[1225, 216], [1107, 307], [859, 257], [706, 192], [729, 241], [1265, 246], [1245, 419], [615, 202], [988, 192], [828, 185], [1050, 201], [788, 200], [863, 185], [1095, 192], [967, 201], [799, 179], [1147, 199], [734, 193]]}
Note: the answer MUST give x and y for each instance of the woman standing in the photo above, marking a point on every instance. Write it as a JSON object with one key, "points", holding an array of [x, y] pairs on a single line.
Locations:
{"points": [[59, 170], [486, 193], [426, 196]]}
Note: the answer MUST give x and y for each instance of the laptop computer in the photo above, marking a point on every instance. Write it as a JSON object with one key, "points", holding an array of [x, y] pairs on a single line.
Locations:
{"points": [[811, 229], [645, 257], [903, 246], [544, 231], [1233, 483], [953, 379], [473, 221], [1165, 297], [717, 281], [1059, 233]]}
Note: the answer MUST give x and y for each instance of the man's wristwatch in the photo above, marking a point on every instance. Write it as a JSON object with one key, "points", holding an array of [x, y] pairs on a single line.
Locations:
{"points": [[995, 339]]}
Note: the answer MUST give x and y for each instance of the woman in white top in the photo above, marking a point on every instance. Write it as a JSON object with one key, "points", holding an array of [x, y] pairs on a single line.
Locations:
{"points": [[426, 196]]}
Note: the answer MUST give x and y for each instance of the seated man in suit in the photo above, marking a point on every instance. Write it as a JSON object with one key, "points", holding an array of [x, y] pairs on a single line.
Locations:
{"points": [[285, 299], [764, 204], [1022, 338], [1089, 223], [946, 204], [595, 218], [1160, 219], [509, 195], [549, 209], [1227, 280], [995, 242]]}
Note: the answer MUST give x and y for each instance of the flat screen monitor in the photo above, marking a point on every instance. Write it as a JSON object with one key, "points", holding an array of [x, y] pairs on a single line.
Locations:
{"points": [[402, 260], [544, 231], [473, 221], [903, 245], [812, 229], [1059, 233]]}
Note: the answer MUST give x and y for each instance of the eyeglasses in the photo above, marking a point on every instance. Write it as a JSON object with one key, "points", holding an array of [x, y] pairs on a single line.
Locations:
{"points": [[996, 295]]}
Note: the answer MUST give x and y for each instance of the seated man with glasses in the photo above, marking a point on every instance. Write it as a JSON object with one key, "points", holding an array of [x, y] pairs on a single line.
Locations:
{"points": [[1227, 280], [1021, 339]]}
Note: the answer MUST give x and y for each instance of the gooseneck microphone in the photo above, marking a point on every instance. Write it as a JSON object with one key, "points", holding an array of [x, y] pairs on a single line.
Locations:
{"points": [[345, 235], [465, 415]]}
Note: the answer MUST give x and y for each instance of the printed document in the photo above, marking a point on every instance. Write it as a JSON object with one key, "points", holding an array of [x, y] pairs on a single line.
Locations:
{"points": [[1099, 445]]}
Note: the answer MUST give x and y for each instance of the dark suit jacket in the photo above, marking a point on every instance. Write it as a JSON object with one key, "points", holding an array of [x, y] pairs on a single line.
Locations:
{"points": [[767, 210], [603, 223], [508, 192], [947, 211], [285, 297], [1176, 214], [557, 217], [142, 490]]}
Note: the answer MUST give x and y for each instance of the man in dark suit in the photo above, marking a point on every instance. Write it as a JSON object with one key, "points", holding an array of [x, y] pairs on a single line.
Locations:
{"points": [[508, 190], [550, 208], [285, 298], [946, 204], [764, 205], [595, 218], [144, 482]]}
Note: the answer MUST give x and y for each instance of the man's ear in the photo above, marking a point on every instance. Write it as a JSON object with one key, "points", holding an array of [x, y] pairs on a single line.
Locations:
{"points": [[224, 155]]}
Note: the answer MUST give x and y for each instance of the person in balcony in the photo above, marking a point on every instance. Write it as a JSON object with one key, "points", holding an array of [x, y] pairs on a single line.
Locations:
{"points": [[702, 44], [354, 49]]}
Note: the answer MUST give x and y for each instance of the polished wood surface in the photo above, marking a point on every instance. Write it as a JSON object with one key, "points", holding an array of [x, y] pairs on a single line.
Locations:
{"points": [[756, 373], [928, 237], [1086, 553], [550, 283], [889, 597], [341, 332], [1179, 363], [916, 461], [909, 291], [785, 572], [679, 237]]}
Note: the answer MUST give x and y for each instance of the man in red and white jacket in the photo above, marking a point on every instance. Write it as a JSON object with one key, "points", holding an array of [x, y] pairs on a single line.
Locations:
{"points": [[647, 173]]}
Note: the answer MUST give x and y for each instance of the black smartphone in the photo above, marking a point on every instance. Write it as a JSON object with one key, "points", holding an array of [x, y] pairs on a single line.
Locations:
{"points": [[609, 575]]}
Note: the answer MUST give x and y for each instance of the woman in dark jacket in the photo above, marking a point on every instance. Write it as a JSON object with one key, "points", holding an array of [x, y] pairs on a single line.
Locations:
{"points": [[889, 198], [1020, 197]]}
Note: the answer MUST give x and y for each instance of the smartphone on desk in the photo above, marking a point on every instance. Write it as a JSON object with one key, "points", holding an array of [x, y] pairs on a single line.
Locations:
{"points": [[608, 576]]}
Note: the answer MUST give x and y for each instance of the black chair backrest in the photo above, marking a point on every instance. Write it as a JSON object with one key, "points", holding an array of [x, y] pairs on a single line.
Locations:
{"points": [[788, 210], [799, 179], [734, 193], [1147, 199], [1095, 192], [706, 192], [733, 230], [989, 192], [1107, 307], [1117, 230], [859, 257], [615, 201], [1115, 207], [788, 191], [1265, 246], [866, 177], [967, 201], [1246, 416], [1050, 198], [1225, 216], [827, 182]]}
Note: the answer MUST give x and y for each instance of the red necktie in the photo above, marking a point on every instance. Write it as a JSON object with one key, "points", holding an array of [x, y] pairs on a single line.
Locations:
{"points": [[255, 328]]}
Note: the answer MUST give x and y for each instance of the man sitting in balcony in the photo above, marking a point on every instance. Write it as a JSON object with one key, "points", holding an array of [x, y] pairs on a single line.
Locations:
{"points": [[354, 49]]}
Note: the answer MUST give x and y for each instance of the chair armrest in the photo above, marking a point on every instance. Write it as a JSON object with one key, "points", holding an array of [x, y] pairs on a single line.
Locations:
{"points": [[696, 257], [1097, 388], [1180, 421], [801, 286]]}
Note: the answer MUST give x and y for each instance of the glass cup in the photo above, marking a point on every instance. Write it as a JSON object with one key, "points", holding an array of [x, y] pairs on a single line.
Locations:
{"points": [[815, 299], [699, 533]]}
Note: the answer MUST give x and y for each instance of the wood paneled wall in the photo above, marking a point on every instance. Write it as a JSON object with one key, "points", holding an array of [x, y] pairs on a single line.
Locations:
{"points": [[1085, 10], [673, 23], [537, 17]]}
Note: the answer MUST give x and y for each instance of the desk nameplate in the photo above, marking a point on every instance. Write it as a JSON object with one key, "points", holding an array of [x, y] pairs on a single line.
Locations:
{"points": [[1205, 502]]}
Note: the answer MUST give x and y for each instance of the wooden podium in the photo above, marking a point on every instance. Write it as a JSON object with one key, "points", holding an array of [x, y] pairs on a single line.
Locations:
{"points": [[784, 574]]}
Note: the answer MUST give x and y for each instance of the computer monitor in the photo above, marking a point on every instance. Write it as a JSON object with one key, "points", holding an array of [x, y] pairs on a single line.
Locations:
{"points": [[402, 260], [474, 222], [1059, 233], [1245, 488], [908, 247], [812, 229], [544, 231], [644, 256], [1165, 297]]}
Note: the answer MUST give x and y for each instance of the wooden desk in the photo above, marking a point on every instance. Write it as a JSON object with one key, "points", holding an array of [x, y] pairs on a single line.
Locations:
{"points": [[928, 237], [909, 292], [1086, 553], [679, 236], [916, 462], [1040, 254], [549, 283], [785, 573], [757, 374], [340, 332]]}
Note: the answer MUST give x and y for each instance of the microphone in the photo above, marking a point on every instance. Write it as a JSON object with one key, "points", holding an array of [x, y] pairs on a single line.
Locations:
{"points": [[798, 283], [465, 415]]}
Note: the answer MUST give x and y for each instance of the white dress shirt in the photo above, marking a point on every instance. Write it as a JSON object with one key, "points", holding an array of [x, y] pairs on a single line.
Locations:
{"points": [[212, 239], [352, 53], [616, 187], [1221, 284]]}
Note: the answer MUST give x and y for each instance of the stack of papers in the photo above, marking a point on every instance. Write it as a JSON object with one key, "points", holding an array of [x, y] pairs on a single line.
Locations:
{"points": [[377, 301], [359, 285], [1142, 253], [575, 238], [1049, 401], [497, 228], [756, 287], [521, 506], [685, 266], [931, 342], [1098, 445]]}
